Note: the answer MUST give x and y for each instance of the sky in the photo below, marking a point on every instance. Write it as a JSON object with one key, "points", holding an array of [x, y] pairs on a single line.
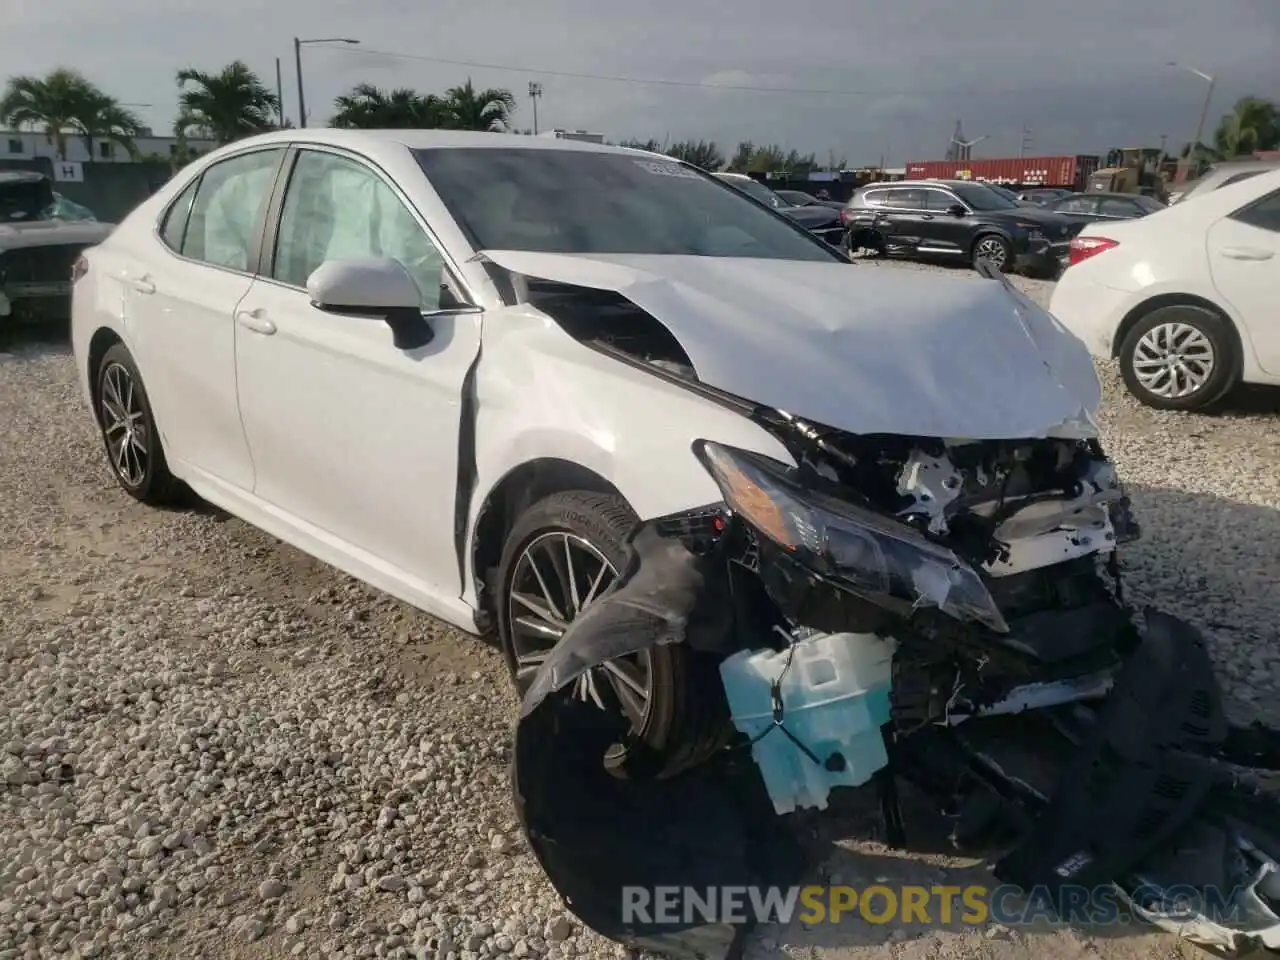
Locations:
{"points": [[856, 80]]}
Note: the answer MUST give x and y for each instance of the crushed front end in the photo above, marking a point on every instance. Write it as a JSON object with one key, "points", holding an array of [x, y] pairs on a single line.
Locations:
{"points": [[948, 613]]}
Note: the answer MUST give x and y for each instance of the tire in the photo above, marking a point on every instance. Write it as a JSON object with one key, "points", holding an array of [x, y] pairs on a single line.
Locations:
{"points": [[1149, 336], [997, 245], [143, 472], [681, 724]]}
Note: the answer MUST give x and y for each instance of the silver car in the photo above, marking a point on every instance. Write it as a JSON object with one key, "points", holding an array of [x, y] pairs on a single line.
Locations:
{"points": [[1220, 174]]}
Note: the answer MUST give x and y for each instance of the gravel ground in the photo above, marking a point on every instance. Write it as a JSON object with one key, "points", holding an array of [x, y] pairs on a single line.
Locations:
{"points": [[213, 746]]}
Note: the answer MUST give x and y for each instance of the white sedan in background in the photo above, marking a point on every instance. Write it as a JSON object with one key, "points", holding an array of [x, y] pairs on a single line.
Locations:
{"points": [[1186, 298]]}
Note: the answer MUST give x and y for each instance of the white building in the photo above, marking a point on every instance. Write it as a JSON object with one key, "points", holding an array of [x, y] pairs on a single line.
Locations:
{"points": [[582, 135], [29, 144]]}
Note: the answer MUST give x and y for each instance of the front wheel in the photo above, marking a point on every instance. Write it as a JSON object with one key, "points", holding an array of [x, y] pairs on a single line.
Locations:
{"points": [[995, 248], [1180, 357], [560, 556]]}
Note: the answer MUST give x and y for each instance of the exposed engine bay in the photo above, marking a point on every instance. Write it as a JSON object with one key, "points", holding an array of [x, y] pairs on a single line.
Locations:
{"points": [[948, 613]]}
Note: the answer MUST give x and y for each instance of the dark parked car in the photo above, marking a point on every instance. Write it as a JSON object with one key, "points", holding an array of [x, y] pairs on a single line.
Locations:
{"points": [[41, 236], [958, 220], [1085, 208], [1043, 195], [798, 198], [823, 221]]}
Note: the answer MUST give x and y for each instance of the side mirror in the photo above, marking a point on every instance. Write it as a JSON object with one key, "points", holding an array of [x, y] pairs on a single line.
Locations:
{"points": [[379, 288], [957, 210]]}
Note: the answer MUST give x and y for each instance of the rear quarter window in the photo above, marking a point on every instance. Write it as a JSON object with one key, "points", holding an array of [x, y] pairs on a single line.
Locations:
{"points": [[174, 224]]}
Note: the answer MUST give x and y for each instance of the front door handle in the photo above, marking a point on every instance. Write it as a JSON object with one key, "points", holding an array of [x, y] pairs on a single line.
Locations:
{"points": [[1247, 253], [255, 320], [144, 284]]}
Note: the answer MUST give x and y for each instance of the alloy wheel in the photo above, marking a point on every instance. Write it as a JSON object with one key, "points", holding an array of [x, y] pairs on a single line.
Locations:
{"points": [[557, 576], [993, 249], [1173, 360], [124, 425]]}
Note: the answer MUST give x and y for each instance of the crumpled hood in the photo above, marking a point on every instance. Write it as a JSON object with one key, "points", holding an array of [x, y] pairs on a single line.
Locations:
{"points": [[48, 233], [858, 348]]}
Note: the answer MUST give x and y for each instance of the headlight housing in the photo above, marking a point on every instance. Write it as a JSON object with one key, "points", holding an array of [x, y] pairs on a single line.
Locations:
{"points": [[874, 557]]}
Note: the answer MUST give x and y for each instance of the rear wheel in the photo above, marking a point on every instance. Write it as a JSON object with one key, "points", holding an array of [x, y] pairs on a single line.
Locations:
{"points": [[1179, 357], [560, 556], [129, 433]]}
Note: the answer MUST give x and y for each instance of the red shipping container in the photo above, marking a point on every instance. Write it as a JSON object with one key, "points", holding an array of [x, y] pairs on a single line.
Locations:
{"points": [[1063, 171]]}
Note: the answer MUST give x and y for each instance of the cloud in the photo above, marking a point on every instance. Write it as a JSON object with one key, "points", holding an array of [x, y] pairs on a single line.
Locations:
{"points": [[899, 74]]}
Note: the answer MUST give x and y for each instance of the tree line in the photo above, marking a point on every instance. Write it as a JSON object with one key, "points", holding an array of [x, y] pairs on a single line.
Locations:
{"points": [[234, 103]]}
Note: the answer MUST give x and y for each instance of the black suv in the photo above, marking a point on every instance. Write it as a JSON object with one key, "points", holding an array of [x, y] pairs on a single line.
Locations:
{"points": [[957, 219]]}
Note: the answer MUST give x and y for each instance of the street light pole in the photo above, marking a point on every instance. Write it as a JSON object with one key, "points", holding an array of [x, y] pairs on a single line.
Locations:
{"points": [[1204, 112], [297, 61], [535, 91]]}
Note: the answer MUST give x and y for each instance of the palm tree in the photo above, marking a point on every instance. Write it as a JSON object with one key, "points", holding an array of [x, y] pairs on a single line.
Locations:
{"points": [[100, 117], [470, 109], [370, 108], [51, 103], [1253, 124], [227, 105]]}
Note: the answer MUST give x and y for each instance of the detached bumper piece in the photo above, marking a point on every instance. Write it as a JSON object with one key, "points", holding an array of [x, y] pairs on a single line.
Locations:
{"points": [[1134, 781], [597, 835]]}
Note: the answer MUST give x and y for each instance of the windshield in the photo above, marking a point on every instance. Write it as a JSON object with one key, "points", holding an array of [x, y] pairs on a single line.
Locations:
{"points": [[573, 201], [980, 197], [1149, 204], [64, 209]]}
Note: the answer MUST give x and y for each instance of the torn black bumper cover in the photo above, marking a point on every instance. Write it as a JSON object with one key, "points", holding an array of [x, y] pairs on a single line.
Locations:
{"points": [[1149, 758], [595, 834]]}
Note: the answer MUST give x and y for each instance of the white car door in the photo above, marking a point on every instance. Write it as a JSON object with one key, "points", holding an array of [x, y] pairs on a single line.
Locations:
{"points": [[349, 434], [182, 299], [1244, 259]]}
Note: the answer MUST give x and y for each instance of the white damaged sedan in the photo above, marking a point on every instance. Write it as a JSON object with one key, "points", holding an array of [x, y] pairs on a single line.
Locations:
{"points": [[462, 367]]}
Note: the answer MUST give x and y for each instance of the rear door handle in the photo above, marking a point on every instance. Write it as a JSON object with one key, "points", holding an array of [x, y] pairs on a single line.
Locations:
{"points": [[143, 284], [1247, 253], [256, 321]]}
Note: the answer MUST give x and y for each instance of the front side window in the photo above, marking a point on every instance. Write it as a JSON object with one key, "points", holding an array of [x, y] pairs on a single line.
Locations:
{"points": [[336, 208], [979, 197], [589, 202], [938, 201], [226, 215]]}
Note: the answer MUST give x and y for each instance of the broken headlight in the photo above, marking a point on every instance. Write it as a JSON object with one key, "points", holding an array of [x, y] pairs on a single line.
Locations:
{"points": [[867, 554]]}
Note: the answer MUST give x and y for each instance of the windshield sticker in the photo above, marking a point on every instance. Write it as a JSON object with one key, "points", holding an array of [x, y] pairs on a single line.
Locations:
{"points": [[666, 169]]}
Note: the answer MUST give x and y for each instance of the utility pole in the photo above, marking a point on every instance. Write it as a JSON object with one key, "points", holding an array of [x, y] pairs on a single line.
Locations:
{"points": [[1192, 158], [535, 91], [1026, 142], [297, 60], [279, 95]]}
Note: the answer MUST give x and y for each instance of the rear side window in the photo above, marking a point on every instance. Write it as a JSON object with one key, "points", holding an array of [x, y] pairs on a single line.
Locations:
{"points": [[1237, 177], [226, 215], [875, 198], [1263, 214], [906, 199], [175, 221], [1076, 205], [1114, 207]]}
